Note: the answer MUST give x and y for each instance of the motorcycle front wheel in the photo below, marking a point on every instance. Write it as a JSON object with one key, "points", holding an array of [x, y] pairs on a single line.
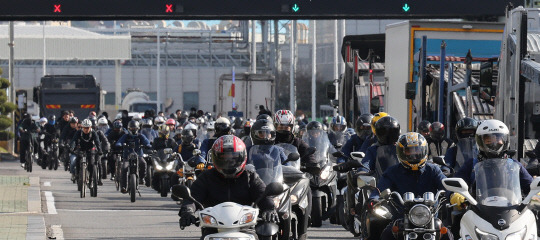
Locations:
{"points": [[82, 180], [93, 183], [132, 186], [164, 186], [316, 212]]}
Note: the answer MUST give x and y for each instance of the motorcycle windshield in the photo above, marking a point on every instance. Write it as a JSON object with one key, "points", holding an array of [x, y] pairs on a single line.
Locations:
{"points": [[319, 140], [467, 150], [497, 183], [164, 154], [268, 168], [341, 138], [288, 149]]}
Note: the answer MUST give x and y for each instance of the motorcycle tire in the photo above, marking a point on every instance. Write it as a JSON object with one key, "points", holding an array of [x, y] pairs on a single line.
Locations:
{"points": [[149, 174], [28, 164], [132, 186], [55, 163], [189, 182], [44, 163], [82, 180], [285, 226], [118, 174], [164, 187], [340, 211], [93, 183], [294, 225], [104, 169], [316, 212], [66, 163]]}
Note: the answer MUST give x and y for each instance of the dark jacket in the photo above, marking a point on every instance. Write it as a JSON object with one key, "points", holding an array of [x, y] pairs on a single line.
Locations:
{"points": [[352, 145], [186, 151], [211, 189], [114, 136], [379, 158], [61, 124], [368, 143], [86, 142], [105, 145], [139, 140], [302, 149], [206, 145], [67, 134], [30, 127], [162, 143]]}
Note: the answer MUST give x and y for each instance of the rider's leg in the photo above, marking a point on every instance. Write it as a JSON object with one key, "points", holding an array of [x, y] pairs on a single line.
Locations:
{"points": [[142, 168], [123, 180], [72, 163]]}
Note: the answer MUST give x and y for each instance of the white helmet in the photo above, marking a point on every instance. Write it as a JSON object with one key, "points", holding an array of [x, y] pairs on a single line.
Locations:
{"points": [[43, 121], [284, 117], [492, 138], [136, 117], [210, 125], [118, 116], [102, 121], [159, 121], [86, 123]]}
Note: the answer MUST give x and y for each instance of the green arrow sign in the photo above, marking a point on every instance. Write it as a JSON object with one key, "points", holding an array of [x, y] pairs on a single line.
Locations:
{"points": [[406, 7], [295, 8]]}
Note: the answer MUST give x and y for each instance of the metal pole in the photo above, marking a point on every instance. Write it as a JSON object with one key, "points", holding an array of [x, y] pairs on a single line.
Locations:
{"points": [[11, 72], [158, 81], [295, 34], [440, 112], [253, 47], [313, 70], [44, 52], [264, 34], [343, 32], [449, 103], [291, 70], [277, 64], [336, 74], [117, 79]]}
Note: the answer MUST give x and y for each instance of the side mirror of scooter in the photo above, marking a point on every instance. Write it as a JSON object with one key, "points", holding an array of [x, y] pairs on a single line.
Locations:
{"points": [[358, 155], [183, 192], [458, 185], [292, 157], [535, 189], [338, 154], [439, 160]]}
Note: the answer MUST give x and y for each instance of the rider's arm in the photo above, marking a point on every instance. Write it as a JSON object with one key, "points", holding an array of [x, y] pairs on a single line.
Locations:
{"points": [[438, 176], [525, 179], [370, 158], [450, 156], [144, 141], [347, 149], [303, 150], [465, 172], [256, 189], [97, 143], [204, 148], [104, 142], [121, 141], [198, 192], [74, 141], [385, 182]]}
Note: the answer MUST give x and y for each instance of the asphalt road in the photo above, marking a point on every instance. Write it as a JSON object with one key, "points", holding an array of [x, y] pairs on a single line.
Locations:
{"points": [[112, 215]]}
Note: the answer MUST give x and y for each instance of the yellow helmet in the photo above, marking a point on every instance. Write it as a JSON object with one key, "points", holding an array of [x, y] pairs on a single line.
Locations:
{"points": [[412, 150], [163, 131], [376, 118]]}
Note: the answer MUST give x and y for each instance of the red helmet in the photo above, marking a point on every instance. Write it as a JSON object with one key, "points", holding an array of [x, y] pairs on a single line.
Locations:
{"points": [[229, 156], [170, 121]]}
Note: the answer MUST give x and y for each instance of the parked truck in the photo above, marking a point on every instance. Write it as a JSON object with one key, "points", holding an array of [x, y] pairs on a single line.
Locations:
{"points": [[79, 93], [136, 101], [248, 93]]}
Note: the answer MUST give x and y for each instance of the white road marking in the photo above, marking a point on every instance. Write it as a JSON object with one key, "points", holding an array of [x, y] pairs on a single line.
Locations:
{"points": [[50, 202], [56, 232], [46, 184], [113, 210]]}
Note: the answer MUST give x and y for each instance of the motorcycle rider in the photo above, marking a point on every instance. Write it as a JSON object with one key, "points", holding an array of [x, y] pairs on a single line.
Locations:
{"points": [[105, 145], [338, 134], [264, 133], [86, 140], [115, 133], [27, 129], [373, 139], [140, 141], [284, 122], [158, 121], [363, 132], [67, 135], [222, 127], [103, 125], [228, 181], [64, 121], [439, 143], [465, 149], [193, 128], [186, 148], [146, 129], [163, 141], [423, 128], [413, 174], [171, 123], [246, 130]]}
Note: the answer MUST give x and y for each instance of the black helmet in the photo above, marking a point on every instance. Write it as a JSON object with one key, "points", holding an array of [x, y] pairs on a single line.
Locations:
{"points": [[173, 116], [466, 127], [314, 125], [133, 127], [387, 130], [73, 120], [412, 150], [264, 116], [436, 131], [187, 136], [117, 125], [263, 132], [229, 156], [94, 122], [238, 122], [423, 127], [363, 125]]}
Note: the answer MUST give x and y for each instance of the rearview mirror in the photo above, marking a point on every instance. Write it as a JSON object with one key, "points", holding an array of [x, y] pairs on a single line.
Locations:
{"points": [[273, 189], [292, 157], [458, 185], [181, 191], [338, 154], [358, 155]]}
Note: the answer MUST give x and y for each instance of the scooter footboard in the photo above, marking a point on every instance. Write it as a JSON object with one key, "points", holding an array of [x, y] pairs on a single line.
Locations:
{"points": [[230, 235]]}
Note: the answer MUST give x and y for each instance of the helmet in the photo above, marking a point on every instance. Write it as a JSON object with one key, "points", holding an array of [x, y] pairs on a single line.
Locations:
{"points": [[222, 126], [238, 123], [133, 127], [436, 131], [94, 121], [191, 127], [229, 156], [52, 119], [338, 124], [159, 120], [264, 116], [423, 127], [210, 125], [118, 116], [492, 138], [412, 150], [387, 130], [170, 121], [363, 125], [376, 118], [200, 121], [247, 125], [263, 132], [146, 122], [187, 136], [43, 121], [117, 125], [86, 123], [163, 131], [102, 121], [314, 125], [284, 117], [466, 127], [173, 116], [184, 114], [136, 117], [74, 120]]}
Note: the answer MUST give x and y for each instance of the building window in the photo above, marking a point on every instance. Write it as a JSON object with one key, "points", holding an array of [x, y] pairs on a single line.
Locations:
{"points": [[191, 100]]}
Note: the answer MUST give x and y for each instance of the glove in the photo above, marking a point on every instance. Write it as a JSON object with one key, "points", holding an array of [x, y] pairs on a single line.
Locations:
{"points": [[313, 170], [187, 217], [346, 166], [458, 200], [270, 216]]}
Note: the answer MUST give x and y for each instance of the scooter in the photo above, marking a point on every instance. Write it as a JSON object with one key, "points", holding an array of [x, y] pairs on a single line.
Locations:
{"points": [[165, 162], [497, 212], [229, 217]]}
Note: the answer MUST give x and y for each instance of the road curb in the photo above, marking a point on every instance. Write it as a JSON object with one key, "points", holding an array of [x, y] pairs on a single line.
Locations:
{"points": [[36, 228], [36, 224], [34, 195]]}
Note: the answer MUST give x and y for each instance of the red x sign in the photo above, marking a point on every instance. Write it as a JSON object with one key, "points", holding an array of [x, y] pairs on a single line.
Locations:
{"points": [[57, 8], [169, 8]]}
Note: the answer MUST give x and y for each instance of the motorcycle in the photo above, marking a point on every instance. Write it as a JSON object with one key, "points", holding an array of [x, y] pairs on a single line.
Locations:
{"points": [[229, 217], [165, 162], [52, 154], [300, 192], [420, 214], [497, 212], [133, 171], [191, 168], [324, 184]]}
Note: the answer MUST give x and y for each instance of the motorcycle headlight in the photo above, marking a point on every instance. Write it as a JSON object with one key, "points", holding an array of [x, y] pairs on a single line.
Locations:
{"points": [[420, 215], [382, 211], [277, 201], [485, 236], [247, 218], [209, 220], [325, 173], [519, 235], [170, 165], [294, 199], [232, 238], [158, 166]]}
